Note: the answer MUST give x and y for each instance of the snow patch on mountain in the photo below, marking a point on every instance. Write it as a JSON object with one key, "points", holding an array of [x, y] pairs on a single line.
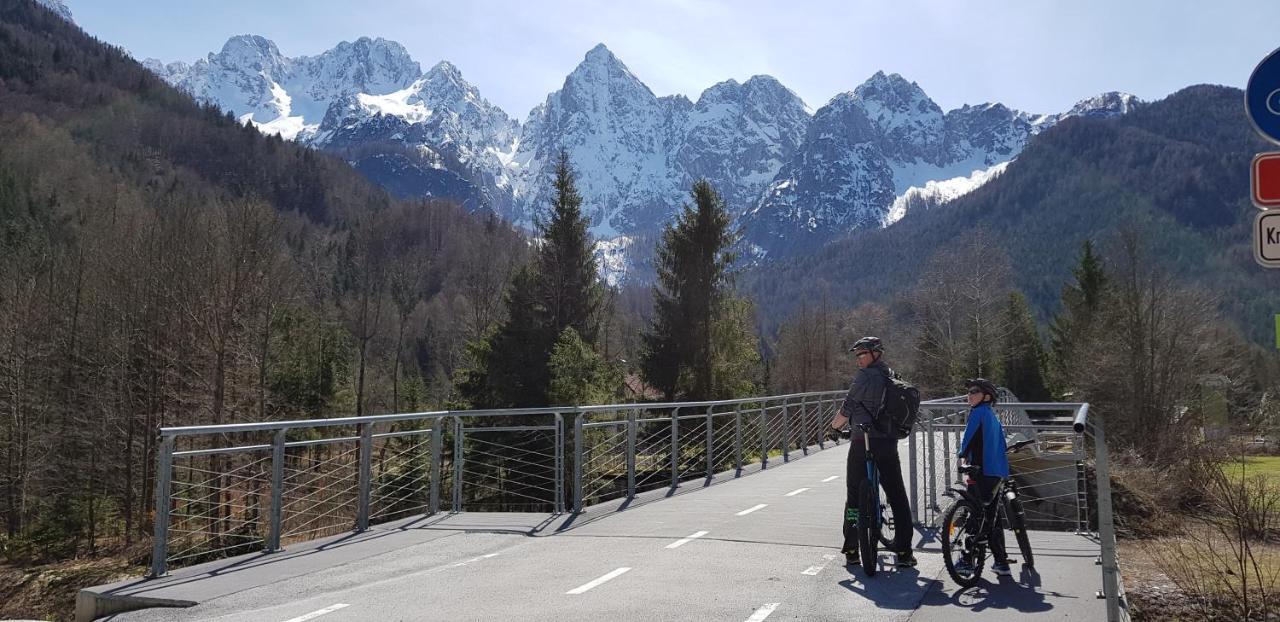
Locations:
{"points": [[57, 7], [935, 193]]}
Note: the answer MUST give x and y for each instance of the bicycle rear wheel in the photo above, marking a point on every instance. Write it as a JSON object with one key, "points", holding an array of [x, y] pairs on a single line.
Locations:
{"points": [[963, 558], [867, 537]]}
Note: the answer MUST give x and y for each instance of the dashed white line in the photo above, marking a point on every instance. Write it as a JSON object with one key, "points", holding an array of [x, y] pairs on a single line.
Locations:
{"points": [[612, 575], [684, 541], [795, 492], [831, 478], [750, 510], [763, 612], [814, 570], [316, 614]]}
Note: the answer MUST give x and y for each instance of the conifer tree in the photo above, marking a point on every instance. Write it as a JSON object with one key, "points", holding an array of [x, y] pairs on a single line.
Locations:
{"points": [[1023, 357], [558, 292], [693, 261], [1073, 326]]}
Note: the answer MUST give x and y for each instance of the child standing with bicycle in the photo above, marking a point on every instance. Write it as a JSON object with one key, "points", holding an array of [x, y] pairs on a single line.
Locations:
{"points": [[984, 447]]}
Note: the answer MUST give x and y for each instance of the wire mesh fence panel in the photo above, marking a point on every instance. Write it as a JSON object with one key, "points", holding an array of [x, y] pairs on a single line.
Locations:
{"points": [[653, 452], [753, 433], [509, 470], [321, 487], [604, 468], [401, 470], [219, 506], [692, 431]]}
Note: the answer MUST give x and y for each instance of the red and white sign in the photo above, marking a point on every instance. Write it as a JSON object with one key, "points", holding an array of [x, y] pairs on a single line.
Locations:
{"points": [[1264, 180]]}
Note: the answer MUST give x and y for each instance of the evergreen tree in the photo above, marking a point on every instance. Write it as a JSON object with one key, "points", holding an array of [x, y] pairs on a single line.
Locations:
{"points": [[1072, 327], [579, 375], [693, 262], [1023, 356], [558, 292], [569, 294]]}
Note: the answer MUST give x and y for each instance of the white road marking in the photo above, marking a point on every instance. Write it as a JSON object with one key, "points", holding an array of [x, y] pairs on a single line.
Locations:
{"points": [[469, 561], [795, 492], [814, 570], [763, 612], [831, 478], [612, 575], [750, 510], [316, 614], [684, 541]]}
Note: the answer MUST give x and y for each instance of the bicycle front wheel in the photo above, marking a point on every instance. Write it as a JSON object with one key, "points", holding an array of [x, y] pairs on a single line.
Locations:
{"points": [[867, 537], [962, 557], [1018, 522]]}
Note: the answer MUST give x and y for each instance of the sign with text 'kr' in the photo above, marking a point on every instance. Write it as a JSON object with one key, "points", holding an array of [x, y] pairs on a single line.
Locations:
{"points": [[1266, 238]]}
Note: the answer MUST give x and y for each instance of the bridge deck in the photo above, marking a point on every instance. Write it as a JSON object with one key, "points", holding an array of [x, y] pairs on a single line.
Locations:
{"points": [[495, 566]]}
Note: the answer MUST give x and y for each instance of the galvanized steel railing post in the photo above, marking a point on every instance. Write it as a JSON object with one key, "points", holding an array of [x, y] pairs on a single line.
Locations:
{"points": [[577, 465], [710, 443], [913, 474], [786, 430], [366, 475], [631, 454], [675, 447], [457, 464], [437, 440], [559, 481], [1106, 529], [946, 456], [737, 439], [931, 484], [1082, 494], [804, 427], [764, 435], [164, 485], [277, 491]]}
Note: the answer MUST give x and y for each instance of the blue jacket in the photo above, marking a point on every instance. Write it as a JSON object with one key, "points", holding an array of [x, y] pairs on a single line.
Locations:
{"points": [[983, 442]]}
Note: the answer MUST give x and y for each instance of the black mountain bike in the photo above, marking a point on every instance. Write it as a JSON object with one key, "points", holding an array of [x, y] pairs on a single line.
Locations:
{"points": [[958, 544], [873, 515]]}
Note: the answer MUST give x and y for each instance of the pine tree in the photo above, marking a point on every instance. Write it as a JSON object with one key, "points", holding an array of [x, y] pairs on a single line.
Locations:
{"points": [[558, 292], [693, 262], [1023, 357], [1073, 326], [569, 294], [579, 375]]}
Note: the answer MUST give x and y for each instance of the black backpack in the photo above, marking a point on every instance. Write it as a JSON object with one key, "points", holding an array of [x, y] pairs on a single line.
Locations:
{"points": [[901, 405]]}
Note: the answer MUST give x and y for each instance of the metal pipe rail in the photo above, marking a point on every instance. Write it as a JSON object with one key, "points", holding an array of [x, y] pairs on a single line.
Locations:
{"points": [[256, 486]]}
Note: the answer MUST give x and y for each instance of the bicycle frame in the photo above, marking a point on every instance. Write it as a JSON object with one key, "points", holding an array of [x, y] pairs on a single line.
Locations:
{"points": [[873, 476]]}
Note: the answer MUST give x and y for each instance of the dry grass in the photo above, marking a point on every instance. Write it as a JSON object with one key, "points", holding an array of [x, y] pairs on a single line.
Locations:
{"points": [[48, 592]]}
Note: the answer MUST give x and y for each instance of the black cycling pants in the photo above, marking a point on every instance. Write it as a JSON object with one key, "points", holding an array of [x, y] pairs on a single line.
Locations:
{"points": [[984, 489], [886, 458]]}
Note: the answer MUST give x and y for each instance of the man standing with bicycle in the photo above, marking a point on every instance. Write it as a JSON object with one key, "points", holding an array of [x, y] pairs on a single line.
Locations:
{"points": [[983, 446], [864, 405]]}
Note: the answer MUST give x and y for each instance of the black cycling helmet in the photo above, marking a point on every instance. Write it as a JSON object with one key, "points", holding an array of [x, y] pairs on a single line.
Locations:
{"points": [[986, 386], [868, 343]]}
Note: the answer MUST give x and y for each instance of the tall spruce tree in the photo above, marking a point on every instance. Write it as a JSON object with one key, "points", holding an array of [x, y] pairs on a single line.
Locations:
{"points": [[693, 261], [1072, 328], [1023, 356], [569, 294], [559, 291]]}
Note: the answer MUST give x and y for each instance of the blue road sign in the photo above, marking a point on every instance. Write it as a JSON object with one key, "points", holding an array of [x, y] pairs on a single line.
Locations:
{"points": [[1262, 97]]}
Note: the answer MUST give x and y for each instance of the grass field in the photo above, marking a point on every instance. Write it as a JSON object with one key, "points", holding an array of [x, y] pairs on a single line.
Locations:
{"points": [[1256, 465]]}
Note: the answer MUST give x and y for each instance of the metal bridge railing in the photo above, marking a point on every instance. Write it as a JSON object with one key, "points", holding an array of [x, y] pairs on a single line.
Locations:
{"points": [[232, 489]]}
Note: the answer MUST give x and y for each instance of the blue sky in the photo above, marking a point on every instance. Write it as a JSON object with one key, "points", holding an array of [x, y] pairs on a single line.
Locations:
{"points": [[1032, 55]]}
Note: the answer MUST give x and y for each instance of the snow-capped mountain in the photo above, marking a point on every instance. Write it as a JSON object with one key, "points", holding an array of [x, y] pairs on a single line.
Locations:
{"points": [[57, 7], [871, 154], [795, 178]]}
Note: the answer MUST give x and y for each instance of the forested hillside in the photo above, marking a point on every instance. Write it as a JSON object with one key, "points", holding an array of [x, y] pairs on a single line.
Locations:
{"points": [[161, 264], [1176, 171]]}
